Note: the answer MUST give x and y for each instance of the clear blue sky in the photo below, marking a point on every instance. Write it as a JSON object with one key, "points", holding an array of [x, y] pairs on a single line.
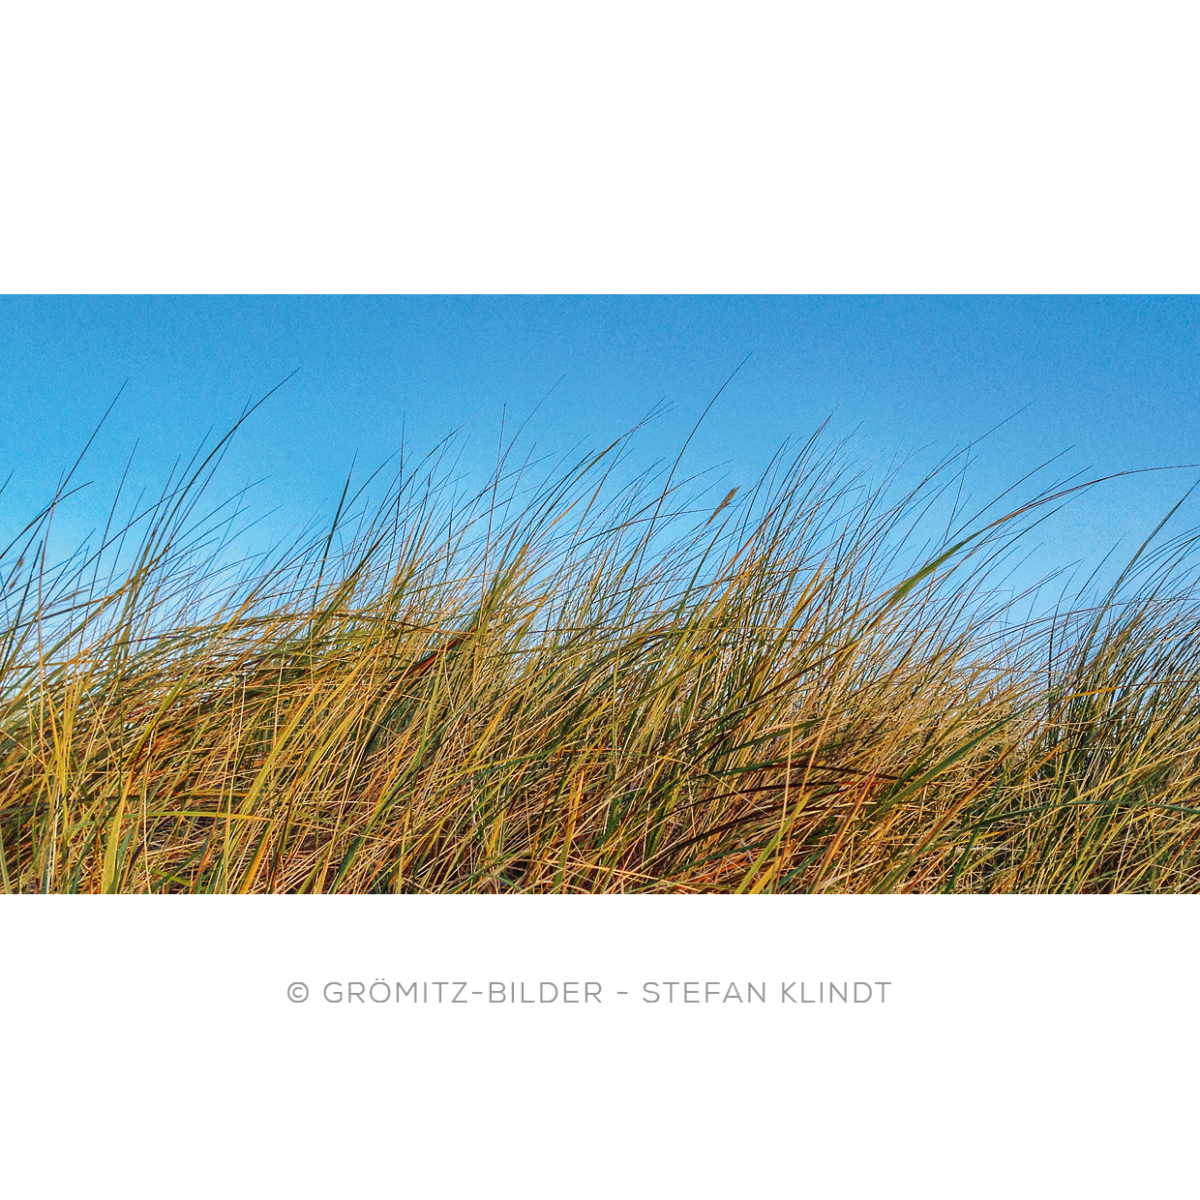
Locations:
{"points": [[1116, 378]]}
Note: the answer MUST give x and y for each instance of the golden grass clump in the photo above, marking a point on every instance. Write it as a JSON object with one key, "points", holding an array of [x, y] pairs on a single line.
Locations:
{"points": [[577, 686]]}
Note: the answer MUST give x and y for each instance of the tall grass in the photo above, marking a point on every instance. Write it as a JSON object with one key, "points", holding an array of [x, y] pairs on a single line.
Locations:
{"points": [[566, 683]]}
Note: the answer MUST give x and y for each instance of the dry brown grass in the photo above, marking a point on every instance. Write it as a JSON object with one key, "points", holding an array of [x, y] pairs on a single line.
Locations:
{"points": [[580, 687]]}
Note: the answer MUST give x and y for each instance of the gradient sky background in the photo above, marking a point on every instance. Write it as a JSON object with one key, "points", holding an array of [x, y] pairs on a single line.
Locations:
{"points": [[1115, 381]]}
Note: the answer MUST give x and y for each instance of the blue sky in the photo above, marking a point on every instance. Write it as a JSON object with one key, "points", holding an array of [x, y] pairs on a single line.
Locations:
{"points": [[1114, 381]]}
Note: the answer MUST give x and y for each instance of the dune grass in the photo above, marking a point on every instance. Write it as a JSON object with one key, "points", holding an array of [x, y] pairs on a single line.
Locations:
{"points": [[582, 685]]}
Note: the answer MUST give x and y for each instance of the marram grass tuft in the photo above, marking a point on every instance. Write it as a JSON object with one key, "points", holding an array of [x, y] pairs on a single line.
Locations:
{"points": [[576, 686]]}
